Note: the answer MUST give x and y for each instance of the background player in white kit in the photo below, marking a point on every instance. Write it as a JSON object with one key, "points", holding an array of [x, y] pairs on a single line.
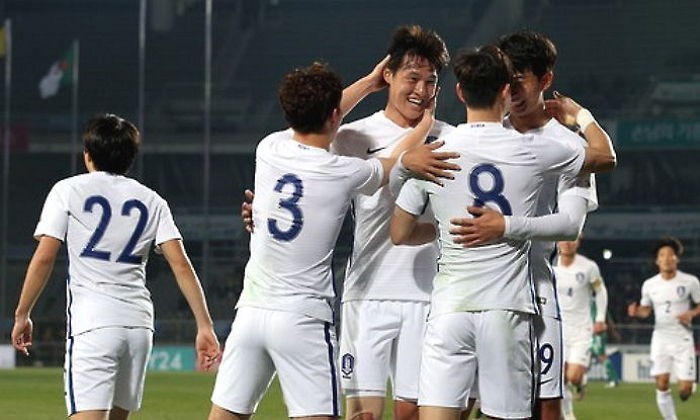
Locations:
{"points": [[534, 56], [109, 223], [579, 284], [387, 288], [674, 296], [483, 297], [303, 192]]}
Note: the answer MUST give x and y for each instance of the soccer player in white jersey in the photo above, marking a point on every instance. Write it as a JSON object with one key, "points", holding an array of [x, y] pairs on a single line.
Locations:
{"points": [[579, 284], [674, 297], [387, 288], [109, 223], [483, 298], [534, 56], [302, 194]]}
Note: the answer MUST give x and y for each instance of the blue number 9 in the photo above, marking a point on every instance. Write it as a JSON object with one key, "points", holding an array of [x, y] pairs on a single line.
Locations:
{"points": [[495, 194], [546, 355], [289, 204]]}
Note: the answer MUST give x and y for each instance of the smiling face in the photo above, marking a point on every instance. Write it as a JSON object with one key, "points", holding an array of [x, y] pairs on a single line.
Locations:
{"points": [[527, 93], [411, 88]]}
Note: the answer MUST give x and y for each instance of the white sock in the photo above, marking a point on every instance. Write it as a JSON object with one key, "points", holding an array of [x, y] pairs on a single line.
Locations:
{"points": [[664, 401], [567, 403]]}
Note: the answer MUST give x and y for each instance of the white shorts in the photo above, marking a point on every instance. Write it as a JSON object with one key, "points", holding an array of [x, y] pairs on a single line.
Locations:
{"points": [[499, 342], [106, 368], [301, 349], [673, 355], [550, 357], [577, 345], [381, 340]]}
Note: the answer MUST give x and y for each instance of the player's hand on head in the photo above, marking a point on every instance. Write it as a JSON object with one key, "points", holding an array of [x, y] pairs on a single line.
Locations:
{"points": [[376, 76], [429, 164], [247, 211], [429, 112], [563, 108], [22, 334], [485, 226]]}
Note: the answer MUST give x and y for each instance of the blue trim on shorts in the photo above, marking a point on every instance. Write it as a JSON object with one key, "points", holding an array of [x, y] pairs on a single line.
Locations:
{"points": [[552, 258], [561, 355], [331, 359], [534, 367], [71, 392]]}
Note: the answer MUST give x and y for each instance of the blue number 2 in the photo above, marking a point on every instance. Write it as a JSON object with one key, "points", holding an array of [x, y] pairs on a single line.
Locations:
{"points": [[495, 194], [126, 256], [289, 204]]}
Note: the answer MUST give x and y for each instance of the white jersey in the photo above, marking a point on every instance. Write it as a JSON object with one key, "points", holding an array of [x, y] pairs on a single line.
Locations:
{"points": [[378, 269], [301, 196], [543, 252], [503, 169], [576, 284], [109, 223], [669, 299]]}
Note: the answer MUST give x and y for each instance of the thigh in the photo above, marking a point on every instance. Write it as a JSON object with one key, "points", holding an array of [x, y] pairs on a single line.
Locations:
{"points": [[684, 361], [577, 348], [407, 350], [246, 369], [367, 334], [128, 391], [504, 344], [661, 358], [448, 347], [91, 367], [304, 352], [550, 357]]}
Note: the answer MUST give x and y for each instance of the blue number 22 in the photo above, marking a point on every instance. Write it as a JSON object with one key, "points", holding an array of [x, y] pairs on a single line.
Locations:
{"points": [[495, 194], [126, 256], [289, 204]]}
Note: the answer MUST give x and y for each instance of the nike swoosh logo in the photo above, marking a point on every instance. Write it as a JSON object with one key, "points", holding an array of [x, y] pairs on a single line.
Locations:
{"points": [[372, 151]]}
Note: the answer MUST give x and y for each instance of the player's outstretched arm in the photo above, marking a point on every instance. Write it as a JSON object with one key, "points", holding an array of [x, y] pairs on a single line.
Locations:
{"points": [[37, 276], [406, 230], [488, 225], [207, 345], [356, 92], [247, 210], [600, 153]]}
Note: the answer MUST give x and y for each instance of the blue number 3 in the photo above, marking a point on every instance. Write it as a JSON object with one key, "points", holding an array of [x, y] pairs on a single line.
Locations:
{"points": [[495, 194], [126, 256], [289, 204]]}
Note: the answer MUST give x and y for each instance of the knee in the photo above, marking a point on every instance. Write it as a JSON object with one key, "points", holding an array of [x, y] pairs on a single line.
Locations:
{"points": [[363, 416], [685, 390], [405, 410]]}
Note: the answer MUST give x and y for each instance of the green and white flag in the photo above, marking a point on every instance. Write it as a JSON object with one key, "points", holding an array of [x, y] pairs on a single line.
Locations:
{"points": [[59, 74]]}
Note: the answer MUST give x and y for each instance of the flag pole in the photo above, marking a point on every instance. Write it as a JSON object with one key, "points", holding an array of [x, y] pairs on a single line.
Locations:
{"points": [[142, 85], [6, 168], [75, 150], [207, 139]]}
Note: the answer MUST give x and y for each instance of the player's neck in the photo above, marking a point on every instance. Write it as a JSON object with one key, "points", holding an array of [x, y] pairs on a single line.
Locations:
{"points": [[668, 275], [566, 260], [531, 121], [397, 118], [484, 115], [320, 140]]}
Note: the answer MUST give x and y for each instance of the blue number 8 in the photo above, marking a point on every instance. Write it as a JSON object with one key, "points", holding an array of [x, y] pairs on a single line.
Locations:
{"points": [[289, 204], [495, 194]]}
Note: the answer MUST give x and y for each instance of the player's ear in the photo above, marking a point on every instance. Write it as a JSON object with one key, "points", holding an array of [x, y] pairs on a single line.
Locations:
{"points": [[387, 74], [546, 80], [460, 94]]}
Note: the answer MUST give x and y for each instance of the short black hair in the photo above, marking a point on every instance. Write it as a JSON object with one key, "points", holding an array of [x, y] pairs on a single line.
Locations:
{"points": [[529, 50], [668, 241], [309, 95], [413, 40], [112, 143], [481, 74]]}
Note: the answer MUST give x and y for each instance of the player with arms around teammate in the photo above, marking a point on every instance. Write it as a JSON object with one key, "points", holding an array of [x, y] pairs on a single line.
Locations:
{"points": [[483, 298], [674, 297], [387, 288], [302, 194], [108, 222], [579, 284], [562, 202]]}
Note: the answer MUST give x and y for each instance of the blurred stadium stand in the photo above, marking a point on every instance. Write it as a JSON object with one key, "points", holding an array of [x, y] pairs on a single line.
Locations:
{"points": [[636, 66]]}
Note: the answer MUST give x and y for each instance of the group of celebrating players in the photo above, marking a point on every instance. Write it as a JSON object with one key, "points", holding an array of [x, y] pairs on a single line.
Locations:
{"points": [[486, 199]]}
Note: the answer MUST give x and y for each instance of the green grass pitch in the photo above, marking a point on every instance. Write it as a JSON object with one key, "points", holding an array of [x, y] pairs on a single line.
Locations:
{"points": [[37, 393]]}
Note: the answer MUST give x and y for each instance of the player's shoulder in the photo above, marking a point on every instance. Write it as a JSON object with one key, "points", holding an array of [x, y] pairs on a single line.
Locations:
{"points": [[687, 277], [362, 125], [559, 132], [584, 260]]}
